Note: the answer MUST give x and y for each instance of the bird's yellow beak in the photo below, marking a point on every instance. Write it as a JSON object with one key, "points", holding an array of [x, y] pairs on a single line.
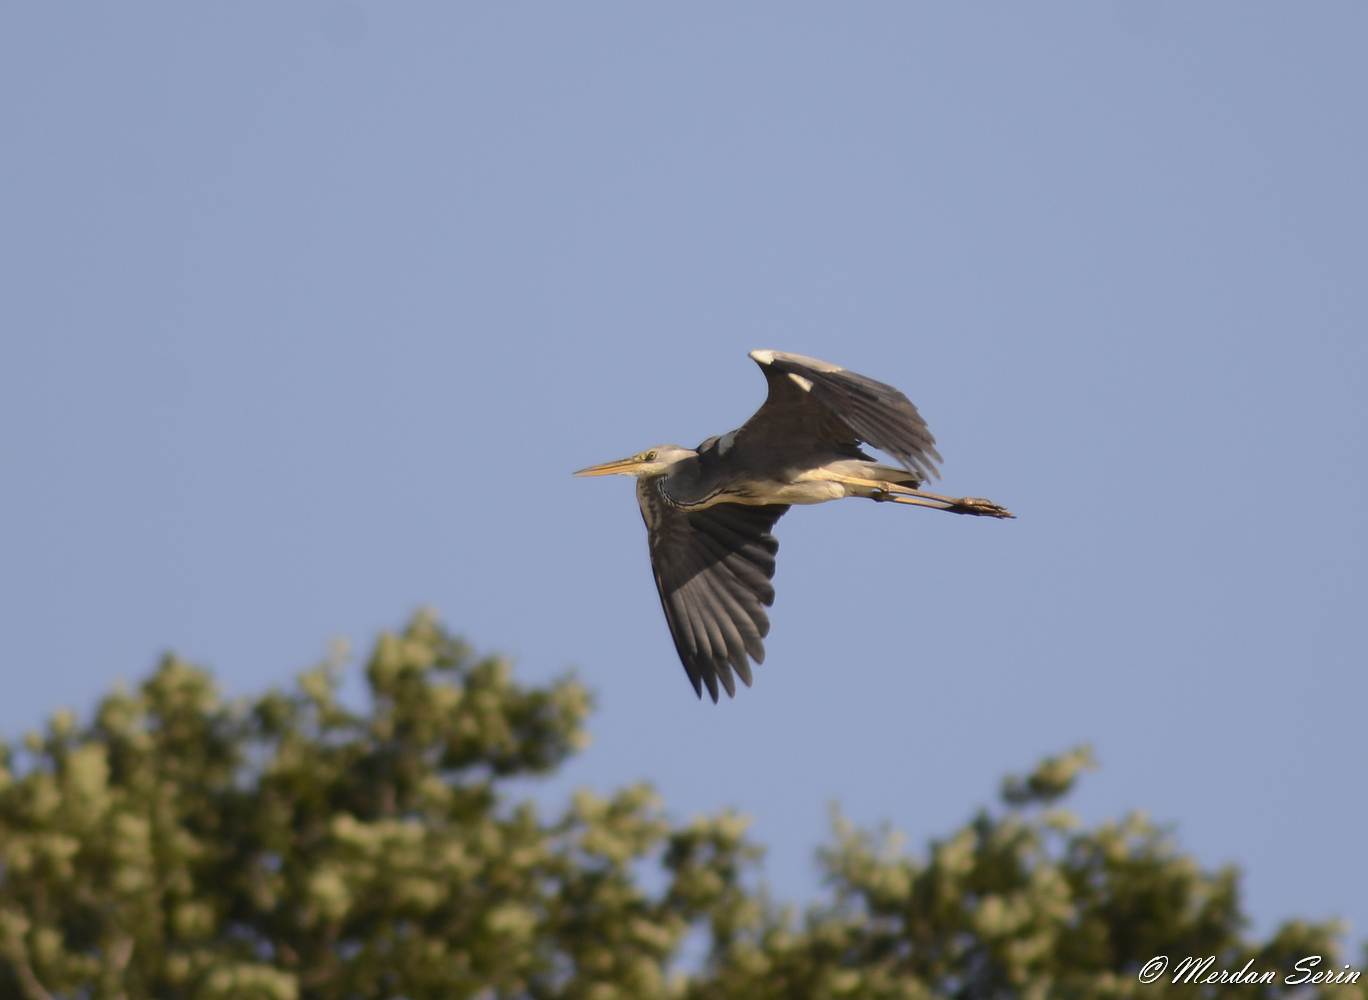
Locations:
{"points": [[621, 465]]}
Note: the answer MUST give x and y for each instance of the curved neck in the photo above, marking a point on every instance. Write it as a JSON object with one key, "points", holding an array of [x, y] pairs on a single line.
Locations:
{"points": [[687, 484]]}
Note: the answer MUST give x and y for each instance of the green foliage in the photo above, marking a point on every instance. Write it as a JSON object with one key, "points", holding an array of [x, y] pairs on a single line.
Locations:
{"points": [[180, 845]]}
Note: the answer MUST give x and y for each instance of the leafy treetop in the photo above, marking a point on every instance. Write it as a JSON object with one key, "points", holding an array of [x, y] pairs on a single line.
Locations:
{"points": [[178, 844]]}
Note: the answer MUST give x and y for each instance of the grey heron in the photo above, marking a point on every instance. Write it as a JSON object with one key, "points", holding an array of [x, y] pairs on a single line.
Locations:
{"points": [[710, 510]]}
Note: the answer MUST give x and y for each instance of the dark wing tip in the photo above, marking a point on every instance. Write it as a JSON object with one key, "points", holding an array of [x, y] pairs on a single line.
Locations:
{"points": [[713, 571], [711, 680], [695, 681]]}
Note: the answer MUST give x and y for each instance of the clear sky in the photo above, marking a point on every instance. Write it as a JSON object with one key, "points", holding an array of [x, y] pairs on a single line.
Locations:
{"points": [[310, 310]]}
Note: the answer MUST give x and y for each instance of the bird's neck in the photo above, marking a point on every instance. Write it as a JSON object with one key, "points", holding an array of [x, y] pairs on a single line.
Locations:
{"points": [[686, 484]]}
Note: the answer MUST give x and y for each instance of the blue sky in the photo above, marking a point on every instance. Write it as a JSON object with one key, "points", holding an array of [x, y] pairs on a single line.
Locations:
{"points": [[311, 310]]}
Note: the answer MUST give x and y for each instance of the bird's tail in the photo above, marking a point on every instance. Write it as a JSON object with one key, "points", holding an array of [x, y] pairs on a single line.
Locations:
{"points": [[896, 477], [865, 479], [893, 475]]}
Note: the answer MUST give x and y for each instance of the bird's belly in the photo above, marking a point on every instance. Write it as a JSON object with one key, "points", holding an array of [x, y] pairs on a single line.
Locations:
{"points": [[800, 491]]}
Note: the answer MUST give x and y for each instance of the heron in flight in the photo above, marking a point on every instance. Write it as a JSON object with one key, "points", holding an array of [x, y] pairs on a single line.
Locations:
{"points": [[710, 510]]}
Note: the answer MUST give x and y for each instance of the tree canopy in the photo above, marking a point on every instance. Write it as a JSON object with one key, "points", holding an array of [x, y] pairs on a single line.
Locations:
{"points": [[181, 844]]}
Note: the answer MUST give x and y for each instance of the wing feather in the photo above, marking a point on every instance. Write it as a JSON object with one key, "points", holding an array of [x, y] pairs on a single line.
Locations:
{"points": [[831, 406], [713, 569]]}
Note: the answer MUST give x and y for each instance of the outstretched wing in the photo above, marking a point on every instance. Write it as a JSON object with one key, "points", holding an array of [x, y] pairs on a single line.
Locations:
{"points": [[826, 404], [713, 569]]}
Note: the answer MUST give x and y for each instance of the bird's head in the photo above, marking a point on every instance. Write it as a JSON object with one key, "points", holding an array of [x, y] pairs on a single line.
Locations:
{"points": [[652, 462]]}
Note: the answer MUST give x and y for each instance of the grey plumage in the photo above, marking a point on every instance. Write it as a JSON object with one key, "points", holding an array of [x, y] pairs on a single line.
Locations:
{"points": [[710, 511], [713, 568], [841, 410]]}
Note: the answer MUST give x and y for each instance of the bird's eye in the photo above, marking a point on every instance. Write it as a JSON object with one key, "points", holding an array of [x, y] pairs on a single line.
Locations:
{"points": [[648, 457]]}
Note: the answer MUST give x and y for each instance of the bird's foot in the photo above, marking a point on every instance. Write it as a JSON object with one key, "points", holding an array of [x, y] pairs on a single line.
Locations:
{"points": [[979, 507]]}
